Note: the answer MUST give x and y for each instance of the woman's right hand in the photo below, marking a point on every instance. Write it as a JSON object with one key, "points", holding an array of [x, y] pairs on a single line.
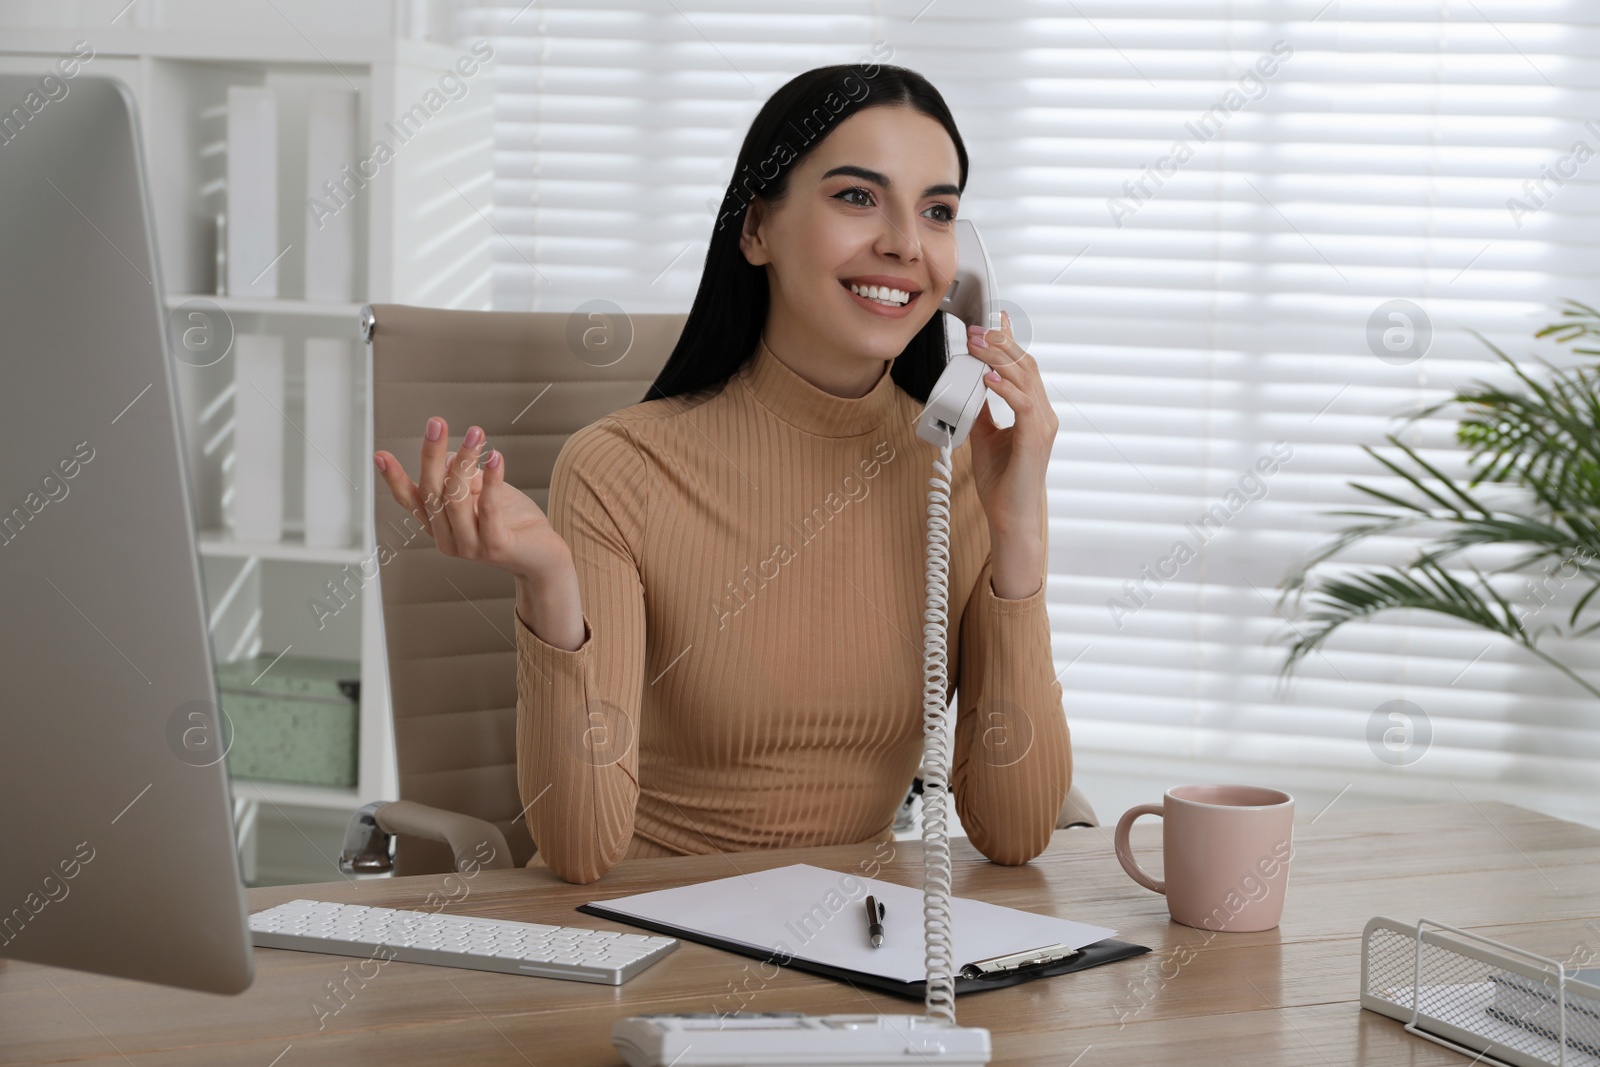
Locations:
{"points": [[472, 513]]}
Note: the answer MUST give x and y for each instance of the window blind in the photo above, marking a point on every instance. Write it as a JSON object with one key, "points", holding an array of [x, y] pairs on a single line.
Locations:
{"points": [[1240, 238]]}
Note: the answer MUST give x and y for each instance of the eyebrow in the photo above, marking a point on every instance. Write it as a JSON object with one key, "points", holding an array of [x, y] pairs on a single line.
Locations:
{"points": [[883, 180]]}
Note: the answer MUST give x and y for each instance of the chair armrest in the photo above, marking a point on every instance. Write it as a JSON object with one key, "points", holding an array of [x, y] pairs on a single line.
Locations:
{"points": [[1076, 811], [369, 836]]}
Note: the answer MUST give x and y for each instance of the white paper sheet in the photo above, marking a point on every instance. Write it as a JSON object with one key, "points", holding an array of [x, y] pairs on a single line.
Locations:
{"points": [[819, 915]]}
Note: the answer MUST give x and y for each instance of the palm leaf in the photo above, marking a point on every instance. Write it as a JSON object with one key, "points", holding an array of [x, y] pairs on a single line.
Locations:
{"points": [[1417, 482], [1421, 587], [1385, 524], [1546, 440], [1567, 332], [1540, 435], [1508, 528]]}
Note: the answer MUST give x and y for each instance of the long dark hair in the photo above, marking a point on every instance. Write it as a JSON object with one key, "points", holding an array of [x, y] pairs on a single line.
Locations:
{"points": [[730, 307]]}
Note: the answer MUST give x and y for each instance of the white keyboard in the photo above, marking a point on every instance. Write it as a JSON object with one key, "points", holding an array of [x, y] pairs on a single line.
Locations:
{"points": [[796, 1040], [601, 956]]}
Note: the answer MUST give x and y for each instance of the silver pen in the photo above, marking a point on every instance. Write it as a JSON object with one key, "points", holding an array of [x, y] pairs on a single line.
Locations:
{"points": [[875, 910]]}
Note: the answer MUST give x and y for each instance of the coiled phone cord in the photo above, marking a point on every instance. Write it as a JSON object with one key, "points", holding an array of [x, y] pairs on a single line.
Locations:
{"points": [[938, 960]]}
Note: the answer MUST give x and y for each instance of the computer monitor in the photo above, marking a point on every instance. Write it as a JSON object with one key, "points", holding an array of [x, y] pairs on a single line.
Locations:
{"points": [[117, 849]]}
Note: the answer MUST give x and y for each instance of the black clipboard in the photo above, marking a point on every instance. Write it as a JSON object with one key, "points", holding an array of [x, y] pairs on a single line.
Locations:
{"points": [[1107, 951]]}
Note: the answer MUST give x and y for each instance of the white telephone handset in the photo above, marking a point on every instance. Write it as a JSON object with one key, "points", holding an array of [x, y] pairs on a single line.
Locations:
{"points": [[970, 301]]}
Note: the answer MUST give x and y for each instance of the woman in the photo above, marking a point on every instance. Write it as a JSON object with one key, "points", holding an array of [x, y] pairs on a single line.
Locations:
{"points": [[719, 623]]}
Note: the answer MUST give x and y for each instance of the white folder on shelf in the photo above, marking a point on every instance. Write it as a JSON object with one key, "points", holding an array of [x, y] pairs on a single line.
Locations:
{"points": [[252, 228], [330, 218], [256, 486], [330, 512]]}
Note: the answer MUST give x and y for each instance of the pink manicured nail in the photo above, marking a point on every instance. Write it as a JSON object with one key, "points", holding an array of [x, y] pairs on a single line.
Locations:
{"points": [[474, 437], [435, 428], [978, 339], [494, 458], [992, 376], [381, 465]]}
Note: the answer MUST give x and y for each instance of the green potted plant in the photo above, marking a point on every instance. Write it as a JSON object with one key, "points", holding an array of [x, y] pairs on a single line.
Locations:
{"points": [[1540, 438]]}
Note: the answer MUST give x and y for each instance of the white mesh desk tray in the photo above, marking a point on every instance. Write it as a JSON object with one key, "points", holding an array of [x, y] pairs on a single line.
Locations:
{"points": [[1477, 996]]}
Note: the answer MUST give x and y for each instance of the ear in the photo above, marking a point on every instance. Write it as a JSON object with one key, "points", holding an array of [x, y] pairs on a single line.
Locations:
{"points": [[751, 240]]}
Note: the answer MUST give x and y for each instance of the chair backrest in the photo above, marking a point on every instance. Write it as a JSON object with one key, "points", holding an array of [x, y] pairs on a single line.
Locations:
{"points": [[530, 380]]}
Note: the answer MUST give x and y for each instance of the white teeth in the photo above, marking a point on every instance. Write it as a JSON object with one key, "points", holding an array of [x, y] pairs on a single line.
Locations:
{"points": [[882, 294]]}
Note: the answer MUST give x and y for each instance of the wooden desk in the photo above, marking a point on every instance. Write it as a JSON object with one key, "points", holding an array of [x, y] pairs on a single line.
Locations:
{"points": [[1283, 997]]}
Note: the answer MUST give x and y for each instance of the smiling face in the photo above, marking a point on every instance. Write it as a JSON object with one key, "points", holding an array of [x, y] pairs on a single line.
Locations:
{"points": [[861, 248]]}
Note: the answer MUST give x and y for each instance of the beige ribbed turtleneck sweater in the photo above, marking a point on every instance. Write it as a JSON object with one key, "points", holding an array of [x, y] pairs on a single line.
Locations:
{"points": [[751, 565]]}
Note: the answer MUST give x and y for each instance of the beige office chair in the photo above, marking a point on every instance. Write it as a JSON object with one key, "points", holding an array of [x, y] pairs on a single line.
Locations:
{"points": [[529, 380]]}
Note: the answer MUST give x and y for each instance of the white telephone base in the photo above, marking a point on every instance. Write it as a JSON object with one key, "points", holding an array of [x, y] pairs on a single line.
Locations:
{"points": [[796, 1040]]}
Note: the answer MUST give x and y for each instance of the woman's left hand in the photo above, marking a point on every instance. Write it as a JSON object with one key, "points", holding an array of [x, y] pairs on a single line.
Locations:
{"points": [[1008, 464]]}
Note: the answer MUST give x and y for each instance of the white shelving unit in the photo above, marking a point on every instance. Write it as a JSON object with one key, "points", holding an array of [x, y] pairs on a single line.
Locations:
{"points": [[219, 544], [422, 237], [235, 306]]}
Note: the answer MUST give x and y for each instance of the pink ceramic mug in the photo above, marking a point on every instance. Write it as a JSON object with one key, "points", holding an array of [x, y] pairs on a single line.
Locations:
{"points": [[1226, 851]]}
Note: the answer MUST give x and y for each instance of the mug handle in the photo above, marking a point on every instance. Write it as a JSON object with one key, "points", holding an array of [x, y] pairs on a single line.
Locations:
{"points": [[1125, 851]]}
